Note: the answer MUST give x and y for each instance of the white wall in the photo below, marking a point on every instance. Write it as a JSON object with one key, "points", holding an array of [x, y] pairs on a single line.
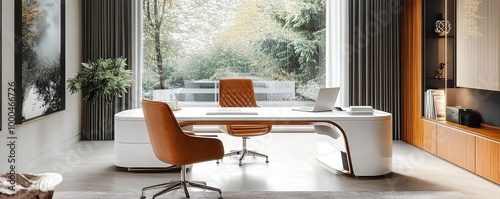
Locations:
{"points": [[39, 136]]}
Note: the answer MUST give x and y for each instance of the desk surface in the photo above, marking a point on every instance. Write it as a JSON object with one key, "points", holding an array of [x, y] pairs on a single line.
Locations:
{"points": [[256, 114], [366, 139]]}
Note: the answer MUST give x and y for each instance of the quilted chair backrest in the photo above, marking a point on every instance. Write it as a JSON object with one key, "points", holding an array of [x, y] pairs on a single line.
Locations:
{"points": [[236, 92]]}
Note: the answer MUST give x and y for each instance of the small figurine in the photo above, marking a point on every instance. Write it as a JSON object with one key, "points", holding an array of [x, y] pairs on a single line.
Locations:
{"points": [[439, 73]]}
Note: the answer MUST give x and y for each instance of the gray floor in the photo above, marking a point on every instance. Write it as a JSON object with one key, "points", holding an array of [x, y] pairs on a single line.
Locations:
{"points": [[89, 166]]}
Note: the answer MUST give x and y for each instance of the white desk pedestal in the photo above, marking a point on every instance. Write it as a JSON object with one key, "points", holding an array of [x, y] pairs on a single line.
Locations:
{"points": [[132, 146], [370, 147]]}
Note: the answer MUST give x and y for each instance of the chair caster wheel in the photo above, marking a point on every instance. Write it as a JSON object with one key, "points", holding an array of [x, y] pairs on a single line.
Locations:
{"points": [[267, 161], [143, 197]]}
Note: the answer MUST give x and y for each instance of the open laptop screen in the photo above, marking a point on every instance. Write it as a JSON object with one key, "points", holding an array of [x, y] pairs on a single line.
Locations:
{"points": [[325, 101]]}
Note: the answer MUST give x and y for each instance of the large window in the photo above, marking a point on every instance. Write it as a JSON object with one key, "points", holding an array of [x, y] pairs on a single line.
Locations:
{"points": [[190, 44]]}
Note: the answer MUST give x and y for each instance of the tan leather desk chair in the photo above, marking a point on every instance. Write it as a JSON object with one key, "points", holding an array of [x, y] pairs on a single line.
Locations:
{"points": [[174, 146], [239, 92]]}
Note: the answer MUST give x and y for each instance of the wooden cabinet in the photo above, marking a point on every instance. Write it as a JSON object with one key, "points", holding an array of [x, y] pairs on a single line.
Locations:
{"points": [[429, 136], [475, 149], [488, 159], [456, 146]]}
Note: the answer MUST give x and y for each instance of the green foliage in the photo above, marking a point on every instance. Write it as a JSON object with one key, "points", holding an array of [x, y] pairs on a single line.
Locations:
{"points": [[150, 79], [210, 39], [105, 78], [218, 62], [308, 20], [302, 56]]}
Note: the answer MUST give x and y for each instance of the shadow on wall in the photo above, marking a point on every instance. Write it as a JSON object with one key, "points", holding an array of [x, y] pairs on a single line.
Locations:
{"points": [[485, 102]]}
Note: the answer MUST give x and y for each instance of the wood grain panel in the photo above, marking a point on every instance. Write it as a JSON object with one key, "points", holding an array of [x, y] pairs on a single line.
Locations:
{"points": [[488, 159], [411, 73], [456, 146], [429, 136], [486, 131]]}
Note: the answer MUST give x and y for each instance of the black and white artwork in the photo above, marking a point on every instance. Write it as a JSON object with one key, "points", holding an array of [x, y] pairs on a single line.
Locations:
{"points": [[39, 66]]}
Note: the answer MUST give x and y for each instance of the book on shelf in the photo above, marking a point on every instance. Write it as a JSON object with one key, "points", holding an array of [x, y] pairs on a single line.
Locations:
{"points": [[435, 104], [440, 106]]}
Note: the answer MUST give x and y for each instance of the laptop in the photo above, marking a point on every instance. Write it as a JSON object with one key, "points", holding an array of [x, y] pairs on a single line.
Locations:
{"points": [[324, 102]]}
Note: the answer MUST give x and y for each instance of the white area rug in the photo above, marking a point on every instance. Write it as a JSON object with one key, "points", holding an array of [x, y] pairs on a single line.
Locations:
{"points": [[273, 195]]}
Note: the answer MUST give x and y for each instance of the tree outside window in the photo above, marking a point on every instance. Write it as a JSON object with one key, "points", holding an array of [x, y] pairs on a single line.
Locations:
{"points": [[191, 42]]}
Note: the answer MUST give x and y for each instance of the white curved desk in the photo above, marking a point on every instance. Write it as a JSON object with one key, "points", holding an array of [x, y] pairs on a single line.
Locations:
{"points": [[361, 146]]}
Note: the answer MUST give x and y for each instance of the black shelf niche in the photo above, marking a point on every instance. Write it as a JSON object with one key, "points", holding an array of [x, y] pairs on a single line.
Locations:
{"points": [[433, 83], [434, 44], [433, 47]]}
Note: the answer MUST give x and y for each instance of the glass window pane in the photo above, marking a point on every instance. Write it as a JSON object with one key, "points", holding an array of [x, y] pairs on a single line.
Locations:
{"points": [[190, 44]]}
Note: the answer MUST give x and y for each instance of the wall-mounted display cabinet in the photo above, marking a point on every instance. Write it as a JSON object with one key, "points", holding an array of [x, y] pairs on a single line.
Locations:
{"points": [[439, 55], [474, 149]]}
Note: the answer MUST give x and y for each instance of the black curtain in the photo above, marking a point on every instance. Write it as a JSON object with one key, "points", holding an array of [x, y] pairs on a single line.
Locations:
{"points": [[374, 58], [106, 34]]}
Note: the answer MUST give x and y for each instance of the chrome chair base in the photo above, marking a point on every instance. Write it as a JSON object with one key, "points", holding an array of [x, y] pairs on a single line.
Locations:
{"points": [[244, 152], [178, 184]]}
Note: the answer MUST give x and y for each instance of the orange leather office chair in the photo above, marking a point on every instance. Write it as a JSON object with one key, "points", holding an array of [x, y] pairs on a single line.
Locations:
{"points": [[174, 146], [239, 92]]}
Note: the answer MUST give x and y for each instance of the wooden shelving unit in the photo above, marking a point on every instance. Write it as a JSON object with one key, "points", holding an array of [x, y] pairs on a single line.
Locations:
{"points": [[475, 149]]}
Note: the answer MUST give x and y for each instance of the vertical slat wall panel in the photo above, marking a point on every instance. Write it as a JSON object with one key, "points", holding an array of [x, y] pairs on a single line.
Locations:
{"points": [[411, 73], [107, 34], [374, 59]]}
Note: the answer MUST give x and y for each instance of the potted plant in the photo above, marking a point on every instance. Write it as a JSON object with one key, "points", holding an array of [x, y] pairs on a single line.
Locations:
{"points": [[106, 78], [103, 79]]}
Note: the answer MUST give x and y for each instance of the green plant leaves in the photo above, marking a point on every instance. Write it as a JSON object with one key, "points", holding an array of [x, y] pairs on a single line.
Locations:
{"points": [[106, 78]]}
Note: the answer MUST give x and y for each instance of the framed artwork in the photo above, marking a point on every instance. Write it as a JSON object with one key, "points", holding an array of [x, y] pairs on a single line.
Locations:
{"points": [[39, 58]]}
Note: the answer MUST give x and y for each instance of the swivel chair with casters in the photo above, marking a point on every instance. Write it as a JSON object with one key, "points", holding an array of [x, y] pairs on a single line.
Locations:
{"points": [[239, 92], [174, 146]]}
